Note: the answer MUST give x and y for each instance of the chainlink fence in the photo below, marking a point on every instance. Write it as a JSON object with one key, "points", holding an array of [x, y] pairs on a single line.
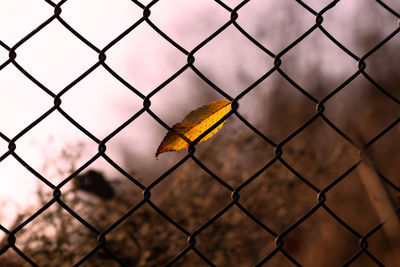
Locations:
{"points": [[192, 236]]}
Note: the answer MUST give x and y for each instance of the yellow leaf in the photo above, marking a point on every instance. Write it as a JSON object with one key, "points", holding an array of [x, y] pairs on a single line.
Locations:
{"points": [[193, 125]]}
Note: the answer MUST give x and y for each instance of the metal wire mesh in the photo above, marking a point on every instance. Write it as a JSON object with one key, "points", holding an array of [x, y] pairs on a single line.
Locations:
{"points": [[279, 237]]}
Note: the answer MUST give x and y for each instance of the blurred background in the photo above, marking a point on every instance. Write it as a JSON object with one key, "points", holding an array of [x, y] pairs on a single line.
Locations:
{"points": [[55, 58]]}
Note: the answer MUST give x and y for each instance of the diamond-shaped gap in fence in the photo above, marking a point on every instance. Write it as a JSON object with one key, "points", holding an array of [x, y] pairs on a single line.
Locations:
{"points": [[231, 61], [55, 237], [190, 22], [382, 66], [277, 197], [145, 59], [354, 23], [134, 148], [349, 199], [317, 65], [107, 19], [182, 95], [235, 153], [321, 241], [199, 195], [360, 110], [100, 103], [55, 57], [255, 106], [18, 20], [55, 148], [98, 197], [234, 239], [319, 153], [145, 238], [275, 24], [19, 196], [284, 108], [21, 101]]}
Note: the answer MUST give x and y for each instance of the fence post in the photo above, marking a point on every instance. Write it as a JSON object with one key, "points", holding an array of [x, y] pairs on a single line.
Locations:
{"points": [[382, 204]]}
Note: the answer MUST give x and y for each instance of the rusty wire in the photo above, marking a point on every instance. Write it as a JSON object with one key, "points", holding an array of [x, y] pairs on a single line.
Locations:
{"points": [[320, 193]]}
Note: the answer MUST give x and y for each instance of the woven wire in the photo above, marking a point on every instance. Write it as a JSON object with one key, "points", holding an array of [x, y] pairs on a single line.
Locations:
{"points": [[190, 65]]}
